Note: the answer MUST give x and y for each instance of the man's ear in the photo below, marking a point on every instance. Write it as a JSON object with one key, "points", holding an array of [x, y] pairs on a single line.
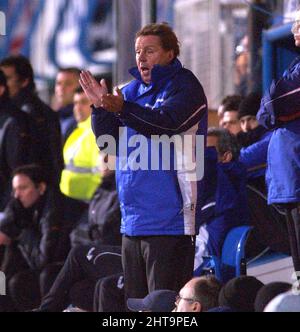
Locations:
{"points": [[42, 188], [197, 307], [227, 157], [171, 55]]}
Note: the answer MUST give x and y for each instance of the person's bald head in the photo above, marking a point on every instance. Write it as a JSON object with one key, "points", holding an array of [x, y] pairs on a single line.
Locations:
{"points": [[199, 294]]}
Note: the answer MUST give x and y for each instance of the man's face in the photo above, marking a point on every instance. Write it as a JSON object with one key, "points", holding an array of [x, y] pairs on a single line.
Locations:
{"points": [[149, 52], [26, 191], [231, 122], [13, 81], [82, 109], [65, 86], [248, 123], [185, 300]]}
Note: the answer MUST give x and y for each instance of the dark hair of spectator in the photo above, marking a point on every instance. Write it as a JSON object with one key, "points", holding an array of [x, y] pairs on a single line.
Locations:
{"points": [[206, 291], [167, 36], [22, 67], [35, 173], [3, 82], [226, 142], [231, 103]]}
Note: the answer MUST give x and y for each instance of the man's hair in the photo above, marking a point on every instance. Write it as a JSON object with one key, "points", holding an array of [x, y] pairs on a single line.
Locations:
{"points": [[22, 67], [227, 142], [35, 173], [79, 90], [3, 82], [231, 103], [206, 291], [71, 70], [167, 36]]}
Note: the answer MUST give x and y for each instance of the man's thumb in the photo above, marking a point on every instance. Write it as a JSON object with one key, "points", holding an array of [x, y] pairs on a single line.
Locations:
{"points": [[103, 83], [117, 92]]}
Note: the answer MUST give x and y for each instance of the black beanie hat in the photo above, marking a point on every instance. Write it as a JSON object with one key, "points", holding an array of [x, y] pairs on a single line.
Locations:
{"points": [[268, 292], [250, 105], [239, 293]]}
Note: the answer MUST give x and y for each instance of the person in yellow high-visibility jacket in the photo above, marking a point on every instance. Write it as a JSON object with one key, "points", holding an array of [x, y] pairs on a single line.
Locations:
{"points": [[81, 176]]}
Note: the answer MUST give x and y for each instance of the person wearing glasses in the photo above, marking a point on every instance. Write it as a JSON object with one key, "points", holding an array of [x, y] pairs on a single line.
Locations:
{"points": [[280, 110], [198, 295]]}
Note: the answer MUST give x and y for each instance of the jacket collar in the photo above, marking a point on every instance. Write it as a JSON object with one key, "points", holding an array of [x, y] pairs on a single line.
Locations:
{"points": [[159, 72]]}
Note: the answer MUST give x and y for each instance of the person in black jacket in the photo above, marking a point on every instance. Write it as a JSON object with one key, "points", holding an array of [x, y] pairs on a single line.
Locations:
{"points": [[44, 123], [33, 233], [15, 141], [86, 264]]}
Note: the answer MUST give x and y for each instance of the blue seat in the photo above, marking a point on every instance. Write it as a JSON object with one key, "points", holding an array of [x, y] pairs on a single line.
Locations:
{"points": [[233, 260]]}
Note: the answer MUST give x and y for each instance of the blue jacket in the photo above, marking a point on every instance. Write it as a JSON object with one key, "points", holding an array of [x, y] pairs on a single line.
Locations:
{"points": [[254, 157], [280, 109], [223, 200], [282, 103], [156, 201], [283, 172]]}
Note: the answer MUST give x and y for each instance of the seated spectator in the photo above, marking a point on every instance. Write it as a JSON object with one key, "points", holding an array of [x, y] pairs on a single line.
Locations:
{"points": [[44, 123], [162, 300], [286, 302], [86, 264], [239, 293], [223, 203], [109, 295], [66, 83], [33, 233], [103, 217], [228, 103], [269, 292], [75, 283], [256, 140], [198, 295], [15, 141]]}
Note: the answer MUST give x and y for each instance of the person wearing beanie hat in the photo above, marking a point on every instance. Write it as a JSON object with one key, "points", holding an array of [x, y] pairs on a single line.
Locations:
{"points": [[239, 293], [162, 300], [269, 292], [248, 109]]}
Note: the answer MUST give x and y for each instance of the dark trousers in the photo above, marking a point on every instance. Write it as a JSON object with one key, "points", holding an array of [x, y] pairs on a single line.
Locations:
{"points": [[25, 286], [293, 223], [156, 262], [77, 278], [109, 294]]}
